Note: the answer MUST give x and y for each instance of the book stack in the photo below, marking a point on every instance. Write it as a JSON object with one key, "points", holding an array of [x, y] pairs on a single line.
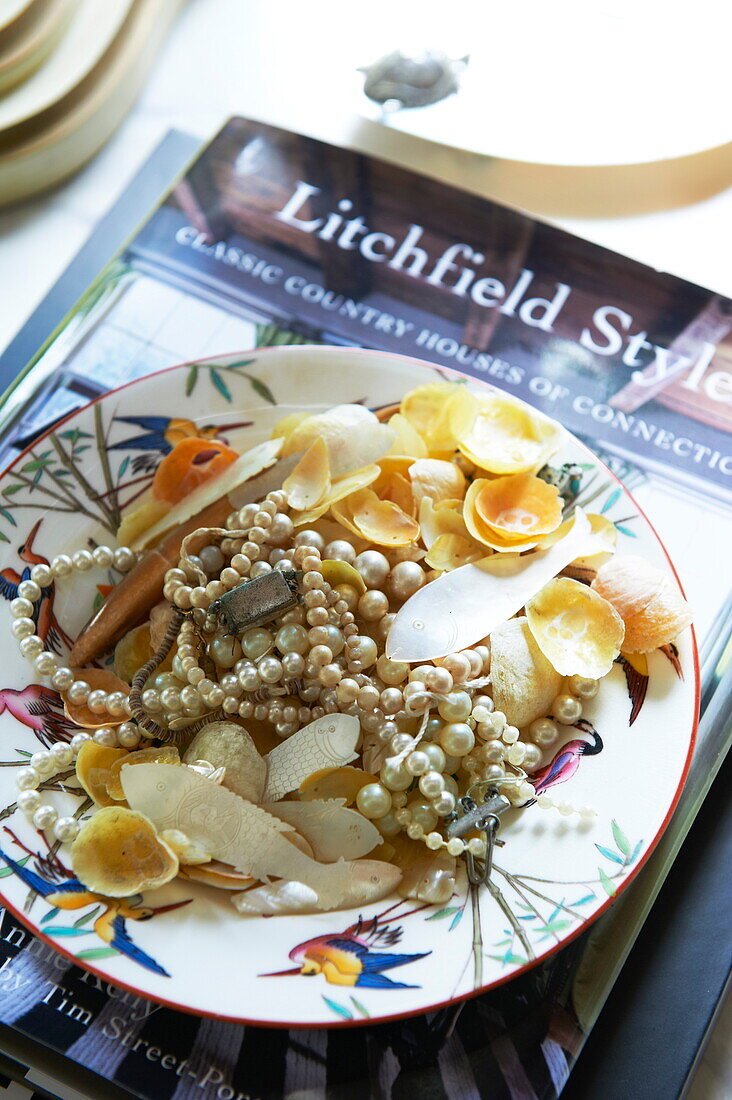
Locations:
{"points": [[69, 72]]}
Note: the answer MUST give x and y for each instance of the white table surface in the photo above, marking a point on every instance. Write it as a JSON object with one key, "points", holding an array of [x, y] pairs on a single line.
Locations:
{"points": [[280, 63]]}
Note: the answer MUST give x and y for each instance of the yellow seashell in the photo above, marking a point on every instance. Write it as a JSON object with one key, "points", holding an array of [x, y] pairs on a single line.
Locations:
{"points": [[437, 479], [189, 852], [512, 512], [132, 651], [427, 408], [309, 482], [287, 425], [140, 519], [578, 631], [445, 518], [646, 598], [94, 770], [377, 520], [340, 487], [408, 441], [164, 754], [118, 853], [451, 551], [501, 435], [344, 782], [340, 572], [524, 682]]}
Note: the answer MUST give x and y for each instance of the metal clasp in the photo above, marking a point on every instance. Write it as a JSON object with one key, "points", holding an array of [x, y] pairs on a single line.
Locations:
{"points": [[483, 815]]}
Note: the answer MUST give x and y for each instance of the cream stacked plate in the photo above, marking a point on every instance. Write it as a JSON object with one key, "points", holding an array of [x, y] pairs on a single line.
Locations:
{"points": [[69, 71]]}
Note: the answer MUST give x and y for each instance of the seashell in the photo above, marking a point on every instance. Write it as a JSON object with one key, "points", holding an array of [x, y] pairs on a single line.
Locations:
{"points": [[344, 782], [353, 435], [512, 512], [408, 441], [309, 482], [333, 831], [378, 521], [140, 519], [188, 852], [428, 410], [246, 467], [578, 631], [229, 746], [502, 435], [451, 551], [430, 877], [524, 683], [286, 426], [445, 518], [341, 487], [601, 525], [328, 741], [217, 874], [192, 463], [132, 651], [370, 881], [117, 852], [207, 770], [340, 572], [94, 770], [647, 600], [98, 679], [232, 829], [462, 606], [437, 479], [163, 754]]}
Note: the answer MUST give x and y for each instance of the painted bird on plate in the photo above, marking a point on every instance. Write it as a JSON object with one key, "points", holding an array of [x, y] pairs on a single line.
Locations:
{"points": [[41, 710], [161, 433], [69, 895], [47, 625], [349, 958], [567, 759]]}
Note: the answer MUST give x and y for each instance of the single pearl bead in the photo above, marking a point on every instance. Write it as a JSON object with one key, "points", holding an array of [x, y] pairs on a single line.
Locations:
{"points": [[340, 550], [418, 762], [62, 679], [456, 846], [455, 707], [96, 701], [347, 691], [211, 558], [492, 752], [480, 713], [61, 565], [79, 691], [475, 661], [444, 804], [423, 813], [510, 735], [384, 626], [150, 698], [45, 817], [42, 575], [391, 700], [285, 565], [270, 670], [435, 755], [403, 815], [433, 841], [330, 675], [280, 529], [29, 590], [532, 758], [432, 784], [373, 605], [103, 556], [66, 829], [516, 754], [62, 754], [22, 628], [78, 740], [566, 709], [27, 779], [242, 564], [365, 652], [457, 739], [128, 734], [43, 762], [484, 652], [259, 568], [373, 567], [368, 697], [587, 812], [256, 642], [46, 663], [309, 537], [396, 778], [373, 800], [415, 831], [29, 801], [124, 559], [334, 639], [405, 579], [476, 847], [292, 638], [21, 608], [106, 736], [391, 672], [388, 825], [458, 665], [400, 742], [494, 773], [224, 650], [439, 680], [31, 646], [584, 687]]}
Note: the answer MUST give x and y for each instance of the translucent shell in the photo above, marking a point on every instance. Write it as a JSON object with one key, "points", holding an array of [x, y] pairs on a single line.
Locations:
{"points": [[370, 880], [340, 572], [341, 487], [287, 424], [333, 831], [501, 435], [601, 525], [164, 754], [94, 770], [229, 746], [353, 435], [136, 522], [309, 482], [378, 521], [524, 682], [247, 466], [220, 875], [118, 853], [343, 783], [578, 631], [512, 512], [438, 479], [451, 551], [408, 441], [427, 408], [646, 598], [445, 518], [132, 652], [189, 852], [427, 876], [98, 679]]}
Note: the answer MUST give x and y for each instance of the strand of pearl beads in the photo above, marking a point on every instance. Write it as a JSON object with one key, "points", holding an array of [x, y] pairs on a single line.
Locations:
{"points": [[45, 763], [23, 628]]}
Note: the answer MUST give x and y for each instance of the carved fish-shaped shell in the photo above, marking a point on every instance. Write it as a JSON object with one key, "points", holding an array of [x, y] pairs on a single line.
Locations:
{"points": [[324, 743]]}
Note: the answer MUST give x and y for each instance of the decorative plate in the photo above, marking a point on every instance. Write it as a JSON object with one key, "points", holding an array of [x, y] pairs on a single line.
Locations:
{"points": [[551, 878]]}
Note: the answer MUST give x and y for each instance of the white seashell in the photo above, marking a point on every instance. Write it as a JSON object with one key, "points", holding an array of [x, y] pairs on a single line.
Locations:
{"points": [[353, 435], [325, 743], [333, 831], [524, 682], [371, 880], [227, 745], [466, 604]]}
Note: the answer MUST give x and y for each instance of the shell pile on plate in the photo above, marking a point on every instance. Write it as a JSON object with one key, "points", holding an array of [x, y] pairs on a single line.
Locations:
{"points": [[449, 606]]}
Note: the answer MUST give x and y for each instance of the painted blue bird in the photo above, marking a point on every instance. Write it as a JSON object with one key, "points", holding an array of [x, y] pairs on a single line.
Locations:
{"points": [[110, 926], [161, 433]]}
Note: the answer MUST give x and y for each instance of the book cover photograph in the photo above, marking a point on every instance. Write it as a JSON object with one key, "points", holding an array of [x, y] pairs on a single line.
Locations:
{"points": [[270, 241]]}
